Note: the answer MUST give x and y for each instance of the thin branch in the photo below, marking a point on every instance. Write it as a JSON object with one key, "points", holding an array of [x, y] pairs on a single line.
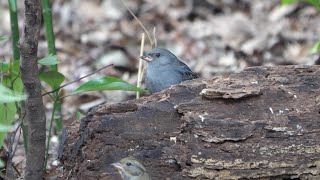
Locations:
{"points": [[135, 17], [11, 152], [14, 152], [154, 37], [76, 80], [15, 148], [47, 93], [12, 82], [140, 73]]}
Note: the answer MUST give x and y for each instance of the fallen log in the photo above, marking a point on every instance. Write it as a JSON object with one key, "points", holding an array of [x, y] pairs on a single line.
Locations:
{"points": [[261, 123]]}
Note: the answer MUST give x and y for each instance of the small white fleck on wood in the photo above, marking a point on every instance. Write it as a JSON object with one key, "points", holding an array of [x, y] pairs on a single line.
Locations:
{"points": [[174, 139], [271, 110]]}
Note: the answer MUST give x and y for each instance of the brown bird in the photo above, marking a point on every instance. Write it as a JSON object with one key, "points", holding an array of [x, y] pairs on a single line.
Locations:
{"points": [[131, 169]]}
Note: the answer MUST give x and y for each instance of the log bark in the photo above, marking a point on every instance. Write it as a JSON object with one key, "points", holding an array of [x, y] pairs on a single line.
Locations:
{"points": [[261, 123], [34, 109]]}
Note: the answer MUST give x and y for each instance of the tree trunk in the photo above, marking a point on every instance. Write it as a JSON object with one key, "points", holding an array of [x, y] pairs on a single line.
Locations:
{"points": [[261, 123], [35, 114]]}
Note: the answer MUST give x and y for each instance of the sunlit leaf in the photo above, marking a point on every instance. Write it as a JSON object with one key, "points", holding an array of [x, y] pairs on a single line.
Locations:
{"points": [[285, 2], [7, 95], [4, 66], [8, 106], [10, 67], [4, 128], [107, 83], [315, 49], [16, 67], [315, 3], [49, 60]]}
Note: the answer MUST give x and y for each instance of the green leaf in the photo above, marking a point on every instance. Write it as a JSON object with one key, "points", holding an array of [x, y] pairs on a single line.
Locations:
{"points": [[78, 115], [1, 163], [7, 114], [7, 95], [315, 49], [53, 78], [16, 67], [10, 67], [4, 128], [2, 38], [315, 3], [285, 2], [4, 66], [107, 83], [49, 60], [8, 106]]}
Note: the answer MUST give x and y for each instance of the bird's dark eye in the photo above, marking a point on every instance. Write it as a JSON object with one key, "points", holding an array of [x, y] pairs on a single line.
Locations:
{"points": [[158, 54], [129, 164]]}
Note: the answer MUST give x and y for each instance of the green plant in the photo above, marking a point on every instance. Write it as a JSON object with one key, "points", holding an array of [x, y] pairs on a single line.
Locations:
{"points": [[315, 3], [9, 97], [315, 49]]}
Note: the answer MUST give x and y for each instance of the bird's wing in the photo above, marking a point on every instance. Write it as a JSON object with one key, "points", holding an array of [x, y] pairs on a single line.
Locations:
{"points": [[186, 72]]}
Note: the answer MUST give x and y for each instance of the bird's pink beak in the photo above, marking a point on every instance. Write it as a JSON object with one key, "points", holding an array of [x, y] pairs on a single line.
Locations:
{"points": [[146, 58]]}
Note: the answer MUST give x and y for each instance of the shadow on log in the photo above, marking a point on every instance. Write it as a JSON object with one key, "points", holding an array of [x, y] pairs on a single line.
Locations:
{"points": [[261, 123]]}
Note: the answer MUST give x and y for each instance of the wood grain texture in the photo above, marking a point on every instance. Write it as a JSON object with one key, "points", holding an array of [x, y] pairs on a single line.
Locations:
{"points": [[180, 133]]}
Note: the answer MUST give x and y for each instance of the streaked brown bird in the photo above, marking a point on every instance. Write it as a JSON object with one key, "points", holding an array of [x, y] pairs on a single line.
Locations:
{"points": [[131, 169]]}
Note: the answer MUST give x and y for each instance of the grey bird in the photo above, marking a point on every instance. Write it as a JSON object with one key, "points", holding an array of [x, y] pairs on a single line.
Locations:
{"points": [[131, 169], [164, 69]]}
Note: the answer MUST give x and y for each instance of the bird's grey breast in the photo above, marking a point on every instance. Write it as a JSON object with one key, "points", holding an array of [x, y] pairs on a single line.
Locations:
{"points": [[159, 78]]}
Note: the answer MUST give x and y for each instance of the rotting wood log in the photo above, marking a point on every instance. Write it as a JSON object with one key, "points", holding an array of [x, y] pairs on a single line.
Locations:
{"points": [[261, 123]]}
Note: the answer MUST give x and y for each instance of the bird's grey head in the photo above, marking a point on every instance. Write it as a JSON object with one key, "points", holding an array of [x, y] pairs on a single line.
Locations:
{"points": [[159, 56]]}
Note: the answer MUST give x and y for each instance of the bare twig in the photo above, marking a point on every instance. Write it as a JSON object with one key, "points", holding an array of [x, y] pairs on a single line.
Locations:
{"points": [[140, 70], [11, 151], [14, 152], [154, 38], [143, 27], [76, 80], [12, 82]]}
